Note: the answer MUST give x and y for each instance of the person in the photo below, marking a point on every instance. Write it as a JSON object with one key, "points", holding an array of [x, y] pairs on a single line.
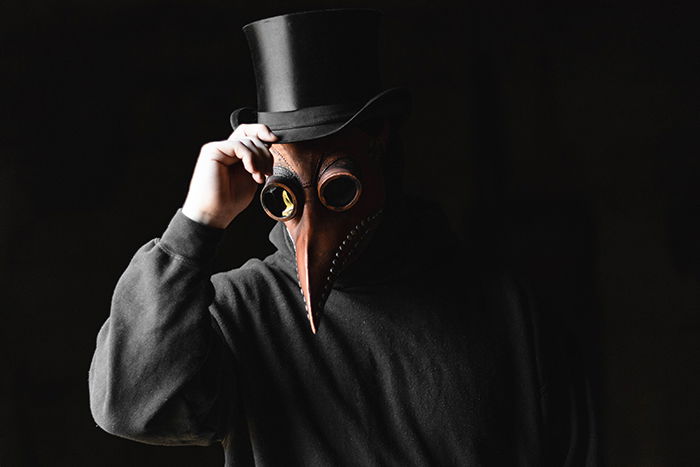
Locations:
{"points": [[370, 337]]}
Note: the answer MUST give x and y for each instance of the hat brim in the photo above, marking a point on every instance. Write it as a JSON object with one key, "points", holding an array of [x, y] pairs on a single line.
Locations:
{"points": [[394, 102]]}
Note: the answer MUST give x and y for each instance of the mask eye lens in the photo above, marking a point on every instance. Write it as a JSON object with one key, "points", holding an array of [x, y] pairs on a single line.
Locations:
{"points": [[340, 193], [278, 201]]}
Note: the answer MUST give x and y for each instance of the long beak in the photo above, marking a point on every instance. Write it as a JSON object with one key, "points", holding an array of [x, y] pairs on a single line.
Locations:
{"points": [[325, 242], [318, 252], [314, 254], [307, 279]]}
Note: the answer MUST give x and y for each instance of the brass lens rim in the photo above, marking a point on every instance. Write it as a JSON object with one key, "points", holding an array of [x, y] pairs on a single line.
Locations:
{"points": [[326, 180], [278, 184]]}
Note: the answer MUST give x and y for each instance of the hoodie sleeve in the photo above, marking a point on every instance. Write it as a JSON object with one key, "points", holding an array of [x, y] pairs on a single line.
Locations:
{"points": [[161, 371]]}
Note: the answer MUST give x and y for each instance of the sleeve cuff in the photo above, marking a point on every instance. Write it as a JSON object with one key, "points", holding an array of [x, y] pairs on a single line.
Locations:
{"points": [[190, 239]]}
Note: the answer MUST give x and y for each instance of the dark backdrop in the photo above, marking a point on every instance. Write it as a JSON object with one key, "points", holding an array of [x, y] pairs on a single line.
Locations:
{"points": [[557, 139]]}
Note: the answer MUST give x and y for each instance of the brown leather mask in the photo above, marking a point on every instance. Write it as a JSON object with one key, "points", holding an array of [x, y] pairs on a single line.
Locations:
{"points": [[329, 192]]}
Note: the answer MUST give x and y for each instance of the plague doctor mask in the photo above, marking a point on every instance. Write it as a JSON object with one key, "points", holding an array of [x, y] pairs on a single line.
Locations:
{"points": [[317, 79], [329, 193]]}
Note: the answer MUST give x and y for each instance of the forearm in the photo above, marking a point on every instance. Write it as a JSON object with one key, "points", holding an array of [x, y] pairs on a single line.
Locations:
{"points": [[156, 372]]}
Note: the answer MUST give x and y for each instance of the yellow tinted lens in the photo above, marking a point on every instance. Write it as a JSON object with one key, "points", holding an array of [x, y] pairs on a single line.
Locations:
{"points": [[278, 201], [288, 203]]}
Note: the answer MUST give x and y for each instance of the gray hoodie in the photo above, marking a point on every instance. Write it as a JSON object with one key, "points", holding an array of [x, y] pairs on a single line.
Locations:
{"points": [[423, 357]]}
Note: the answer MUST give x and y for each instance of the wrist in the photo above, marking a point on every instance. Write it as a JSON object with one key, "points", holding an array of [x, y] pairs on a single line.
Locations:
{"points": [[206, 218], [187, 238]]}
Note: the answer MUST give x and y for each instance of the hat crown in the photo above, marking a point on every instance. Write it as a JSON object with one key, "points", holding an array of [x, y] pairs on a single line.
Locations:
{"points": [[315, 58]]}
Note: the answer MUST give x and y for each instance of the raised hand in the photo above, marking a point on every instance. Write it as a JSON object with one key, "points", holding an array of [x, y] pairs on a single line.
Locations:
{"points": [[226, 175]]}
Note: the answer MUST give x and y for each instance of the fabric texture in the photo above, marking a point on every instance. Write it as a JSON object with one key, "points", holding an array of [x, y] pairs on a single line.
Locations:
{"points": [[423, 357]]}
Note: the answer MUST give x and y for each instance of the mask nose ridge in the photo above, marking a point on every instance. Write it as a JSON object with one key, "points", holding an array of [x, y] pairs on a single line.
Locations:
{"points": [[312, 258]]}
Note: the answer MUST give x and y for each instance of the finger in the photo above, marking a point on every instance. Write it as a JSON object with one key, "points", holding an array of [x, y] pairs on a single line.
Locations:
{"points": [[255, 165], [265, 155], [266, 159], [254, 155], [220, 151], [245, 154], [230, 153], [257, 130], [244, 150]]}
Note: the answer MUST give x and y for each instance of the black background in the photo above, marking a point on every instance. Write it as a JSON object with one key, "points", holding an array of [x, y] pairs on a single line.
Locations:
{"points": [[560, 139]]}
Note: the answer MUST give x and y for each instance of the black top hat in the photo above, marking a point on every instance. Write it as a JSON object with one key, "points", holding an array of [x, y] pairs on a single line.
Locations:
{"points": [[316, 72]]}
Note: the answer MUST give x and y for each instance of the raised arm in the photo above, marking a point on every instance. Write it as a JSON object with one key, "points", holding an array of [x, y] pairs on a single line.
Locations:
{"points": [[161, 372]]}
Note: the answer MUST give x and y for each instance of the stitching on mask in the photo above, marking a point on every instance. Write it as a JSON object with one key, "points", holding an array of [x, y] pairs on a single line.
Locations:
{"points": [[321, 158], [314, 177], [353, 239], [275, 151]]}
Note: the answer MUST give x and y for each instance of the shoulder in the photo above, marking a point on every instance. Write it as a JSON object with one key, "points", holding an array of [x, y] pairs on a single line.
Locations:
{"points": [[254, 277]]}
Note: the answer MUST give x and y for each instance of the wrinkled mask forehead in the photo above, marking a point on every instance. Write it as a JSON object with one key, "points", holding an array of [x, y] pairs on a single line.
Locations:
{"points": [[307, 159]]}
